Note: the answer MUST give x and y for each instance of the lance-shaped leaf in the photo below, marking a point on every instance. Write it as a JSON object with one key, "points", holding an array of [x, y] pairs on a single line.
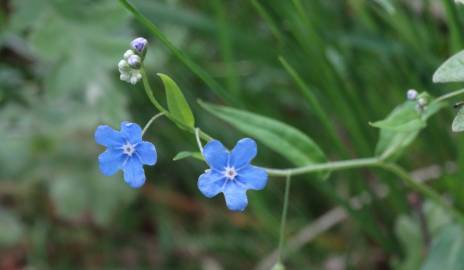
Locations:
{"points": [[403, 118], [187, 154], [395, 140], [284, 139], [458, 122], [452, 70], [177, 104]]}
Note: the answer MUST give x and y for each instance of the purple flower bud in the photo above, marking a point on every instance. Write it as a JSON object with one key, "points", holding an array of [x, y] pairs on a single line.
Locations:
{"points": [[134, 61], [411, 94], [139, 44]]}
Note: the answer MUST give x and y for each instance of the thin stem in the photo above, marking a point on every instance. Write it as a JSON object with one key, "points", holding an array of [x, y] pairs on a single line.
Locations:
{"points": [[156, 116], [449, 95], [329, 166], [283, 220], [197, 136], [424, 189]]}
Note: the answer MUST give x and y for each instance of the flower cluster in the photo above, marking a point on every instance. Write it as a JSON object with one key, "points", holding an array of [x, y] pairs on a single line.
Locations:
{"points": [[230, 173], [421, 100], [129, 66]]}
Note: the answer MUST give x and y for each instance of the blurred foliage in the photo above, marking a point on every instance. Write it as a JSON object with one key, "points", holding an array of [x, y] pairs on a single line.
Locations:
{"points": [[342, 65]]}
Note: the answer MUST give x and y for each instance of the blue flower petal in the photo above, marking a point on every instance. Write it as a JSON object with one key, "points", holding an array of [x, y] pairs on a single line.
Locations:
{"points": [[242, 154], [235, 196], [133, 173], [216, 155], [106, 136], [131, 132], [252, 177], [211, 183], [146, 152], [111, 161]]}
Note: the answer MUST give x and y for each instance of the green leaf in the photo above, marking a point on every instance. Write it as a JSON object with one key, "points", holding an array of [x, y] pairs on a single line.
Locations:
{"points": [[187, 154], [177, 105], [458, 122], [447, 250], [452, 70], [395, 139], [403, 118], [280, 137]]}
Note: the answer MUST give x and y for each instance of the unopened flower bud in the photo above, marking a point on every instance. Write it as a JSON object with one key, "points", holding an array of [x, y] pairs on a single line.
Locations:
{"points": [[411, 94], [139, 45], [134, 61], [422, 101], [128, 54]]}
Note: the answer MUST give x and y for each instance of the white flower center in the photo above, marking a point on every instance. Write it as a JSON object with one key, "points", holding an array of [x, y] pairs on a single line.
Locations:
{"points": [[128, 149], [230, 173]]}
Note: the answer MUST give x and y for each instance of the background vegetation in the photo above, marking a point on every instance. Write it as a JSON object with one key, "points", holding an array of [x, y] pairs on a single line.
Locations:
{"points": [[325, 67]]}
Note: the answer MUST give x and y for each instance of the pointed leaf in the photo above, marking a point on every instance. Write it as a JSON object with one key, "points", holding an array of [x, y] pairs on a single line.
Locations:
{"points": [[403, 118], [187, 154], [452, 70], [458, 122], [397, 140], [177, 104], [286, 140]]}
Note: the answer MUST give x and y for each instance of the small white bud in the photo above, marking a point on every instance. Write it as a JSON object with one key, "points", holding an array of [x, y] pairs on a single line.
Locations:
{"points": [[422, 101], [128, 53], [124, 77], [134, 61], [133, 80], [411, 94]]}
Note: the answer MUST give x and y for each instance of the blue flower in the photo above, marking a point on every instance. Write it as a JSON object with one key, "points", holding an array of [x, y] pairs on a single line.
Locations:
{"points": [[125, 151], [139, 44], [231, 173]]}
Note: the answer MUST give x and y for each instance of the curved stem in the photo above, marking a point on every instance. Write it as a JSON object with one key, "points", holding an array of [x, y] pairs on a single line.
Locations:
{"points": [[151, 121], [197, 136], [283, 220], [449, 95], [424, 189], [329, 166]]}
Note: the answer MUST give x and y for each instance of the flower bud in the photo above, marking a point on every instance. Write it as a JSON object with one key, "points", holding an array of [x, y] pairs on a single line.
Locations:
{"points": [[411, 94], [124, 77], [139, 45], [128, 54], [422, 101], [134, 61]]}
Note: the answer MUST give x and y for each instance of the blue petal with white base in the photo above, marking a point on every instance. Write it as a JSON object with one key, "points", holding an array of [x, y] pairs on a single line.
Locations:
{"points": [[125, 151], [231, 173]]}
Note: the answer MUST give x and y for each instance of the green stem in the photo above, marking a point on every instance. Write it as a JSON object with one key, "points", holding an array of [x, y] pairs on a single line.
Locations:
{"points": [[283, 220], [449, 95], [329, 166], [197, 136], [151, 121], [424, 189]]}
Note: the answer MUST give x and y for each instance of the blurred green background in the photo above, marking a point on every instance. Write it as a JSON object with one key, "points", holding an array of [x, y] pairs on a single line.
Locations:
{"points": [[355, 59]]}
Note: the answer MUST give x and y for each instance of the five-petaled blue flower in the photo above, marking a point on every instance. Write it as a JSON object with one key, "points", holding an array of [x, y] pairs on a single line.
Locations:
{"points": [[125, 151], [231, 173]]}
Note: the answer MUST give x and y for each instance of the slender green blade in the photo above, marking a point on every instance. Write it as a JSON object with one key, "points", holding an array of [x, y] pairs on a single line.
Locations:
{"points": [[177, 104], [286, 140]]}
